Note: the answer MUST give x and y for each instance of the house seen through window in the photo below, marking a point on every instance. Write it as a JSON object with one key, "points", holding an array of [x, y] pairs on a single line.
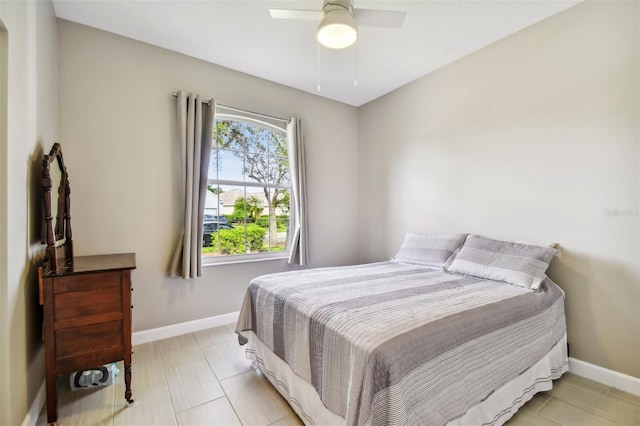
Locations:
{"points": [[248, 191]]}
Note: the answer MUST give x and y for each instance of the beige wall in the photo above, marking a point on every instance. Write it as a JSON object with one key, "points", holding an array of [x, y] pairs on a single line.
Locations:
{"points": [[117, 130], [31, 127], [534, 138]]}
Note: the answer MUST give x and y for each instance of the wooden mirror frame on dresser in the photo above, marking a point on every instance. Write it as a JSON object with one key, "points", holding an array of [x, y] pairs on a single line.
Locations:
{"points": [[86, 299], [57, 236]]}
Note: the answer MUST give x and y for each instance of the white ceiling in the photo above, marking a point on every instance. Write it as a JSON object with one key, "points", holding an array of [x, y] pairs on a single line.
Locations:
{"points": [[242, 36]]}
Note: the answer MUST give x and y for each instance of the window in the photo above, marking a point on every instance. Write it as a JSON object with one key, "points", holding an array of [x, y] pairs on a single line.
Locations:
{"points": [[248, 192]]}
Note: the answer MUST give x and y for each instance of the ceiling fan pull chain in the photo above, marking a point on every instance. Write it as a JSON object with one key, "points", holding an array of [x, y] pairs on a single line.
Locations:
{"points": [[318, 64], [355, 69]]}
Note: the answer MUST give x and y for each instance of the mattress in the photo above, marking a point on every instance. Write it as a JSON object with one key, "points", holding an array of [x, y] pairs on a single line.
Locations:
{"points": [[391, 343]]}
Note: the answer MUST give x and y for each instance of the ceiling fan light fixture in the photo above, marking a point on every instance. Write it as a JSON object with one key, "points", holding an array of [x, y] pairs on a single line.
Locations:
{"points": [[337, 30]]}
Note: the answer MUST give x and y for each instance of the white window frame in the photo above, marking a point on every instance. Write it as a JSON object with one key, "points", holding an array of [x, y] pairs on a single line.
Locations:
{"points": [[252, 257]]}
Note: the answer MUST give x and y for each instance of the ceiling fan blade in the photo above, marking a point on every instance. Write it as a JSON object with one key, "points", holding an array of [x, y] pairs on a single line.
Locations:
{"points": [[296, 14], [379, 18]]}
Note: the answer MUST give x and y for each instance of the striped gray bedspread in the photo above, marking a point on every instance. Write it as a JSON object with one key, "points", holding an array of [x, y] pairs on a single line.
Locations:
{"points": [[392, 343]]}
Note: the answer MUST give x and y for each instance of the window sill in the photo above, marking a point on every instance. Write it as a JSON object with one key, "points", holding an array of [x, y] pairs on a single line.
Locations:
{"points": [[232, 260]]}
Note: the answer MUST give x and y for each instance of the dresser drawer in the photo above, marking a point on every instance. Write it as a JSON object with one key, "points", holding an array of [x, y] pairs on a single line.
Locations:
{"points": [[89, 338], [84, 304], [84, 282], [88, 360]]}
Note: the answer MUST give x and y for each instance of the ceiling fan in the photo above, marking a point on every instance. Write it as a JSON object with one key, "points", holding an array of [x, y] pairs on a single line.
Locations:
{"points": [[339, 21]]}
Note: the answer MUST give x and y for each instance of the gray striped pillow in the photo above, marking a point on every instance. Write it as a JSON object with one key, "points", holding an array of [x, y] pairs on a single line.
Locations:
{"points": [[428, 249], [521, 264]]}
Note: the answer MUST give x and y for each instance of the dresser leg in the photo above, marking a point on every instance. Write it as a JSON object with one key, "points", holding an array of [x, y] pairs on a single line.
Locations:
{"points": [[127, 383], [52, 398]]}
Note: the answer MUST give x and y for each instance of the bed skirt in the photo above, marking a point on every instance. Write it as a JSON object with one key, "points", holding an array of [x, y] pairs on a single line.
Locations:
{"points": [[499, 407]]}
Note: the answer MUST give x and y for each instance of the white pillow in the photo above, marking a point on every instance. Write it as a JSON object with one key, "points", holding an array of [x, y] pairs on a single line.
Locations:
{"points": [[428, 249], [520, 264]]}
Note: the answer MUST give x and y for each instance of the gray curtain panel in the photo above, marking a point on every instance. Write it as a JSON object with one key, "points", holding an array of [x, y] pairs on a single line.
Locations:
{"points": [[298, 219], [195, 126]]}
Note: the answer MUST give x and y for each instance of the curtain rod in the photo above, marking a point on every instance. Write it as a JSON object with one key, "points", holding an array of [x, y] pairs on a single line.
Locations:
{"points": [[257, 114]]}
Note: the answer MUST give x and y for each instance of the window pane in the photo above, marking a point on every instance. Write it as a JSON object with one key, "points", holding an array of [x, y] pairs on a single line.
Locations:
{"points": [[257, 168], [213, 204], [213, 165], [256, 204], [279, 170], [278, 159], [228, 136], [277, 220], [223, 225], [277, 145], [230, 165], [256, 138], [283, 200], [232, 200]]}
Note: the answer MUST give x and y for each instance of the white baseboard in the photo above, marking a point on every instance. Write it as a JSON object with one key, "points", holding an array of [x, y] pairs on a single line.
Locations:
{"points": [[605, 376], [36, 406], [173, 330]]}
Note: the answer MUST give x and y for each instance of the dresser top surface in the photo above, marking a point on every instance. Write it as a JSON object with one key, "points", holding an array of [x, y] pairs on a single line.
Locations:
{"points": [[98, 263]]}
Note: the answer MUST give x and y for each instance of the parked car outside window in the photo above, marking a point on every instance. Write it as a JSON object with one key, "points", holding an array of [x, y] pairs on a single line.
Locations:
{"points": [[209, 227], [213, 218]]}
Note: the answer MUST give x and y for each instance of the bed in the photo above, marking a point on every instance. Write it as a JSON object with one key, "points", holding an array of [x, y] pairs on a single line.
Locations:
{"points": [[456, 330]]}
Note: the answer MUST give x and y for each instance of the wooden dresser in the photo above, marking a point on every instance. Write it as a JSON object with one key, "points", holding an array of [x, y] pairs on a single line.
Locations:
{"points": [[87, 318]]}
